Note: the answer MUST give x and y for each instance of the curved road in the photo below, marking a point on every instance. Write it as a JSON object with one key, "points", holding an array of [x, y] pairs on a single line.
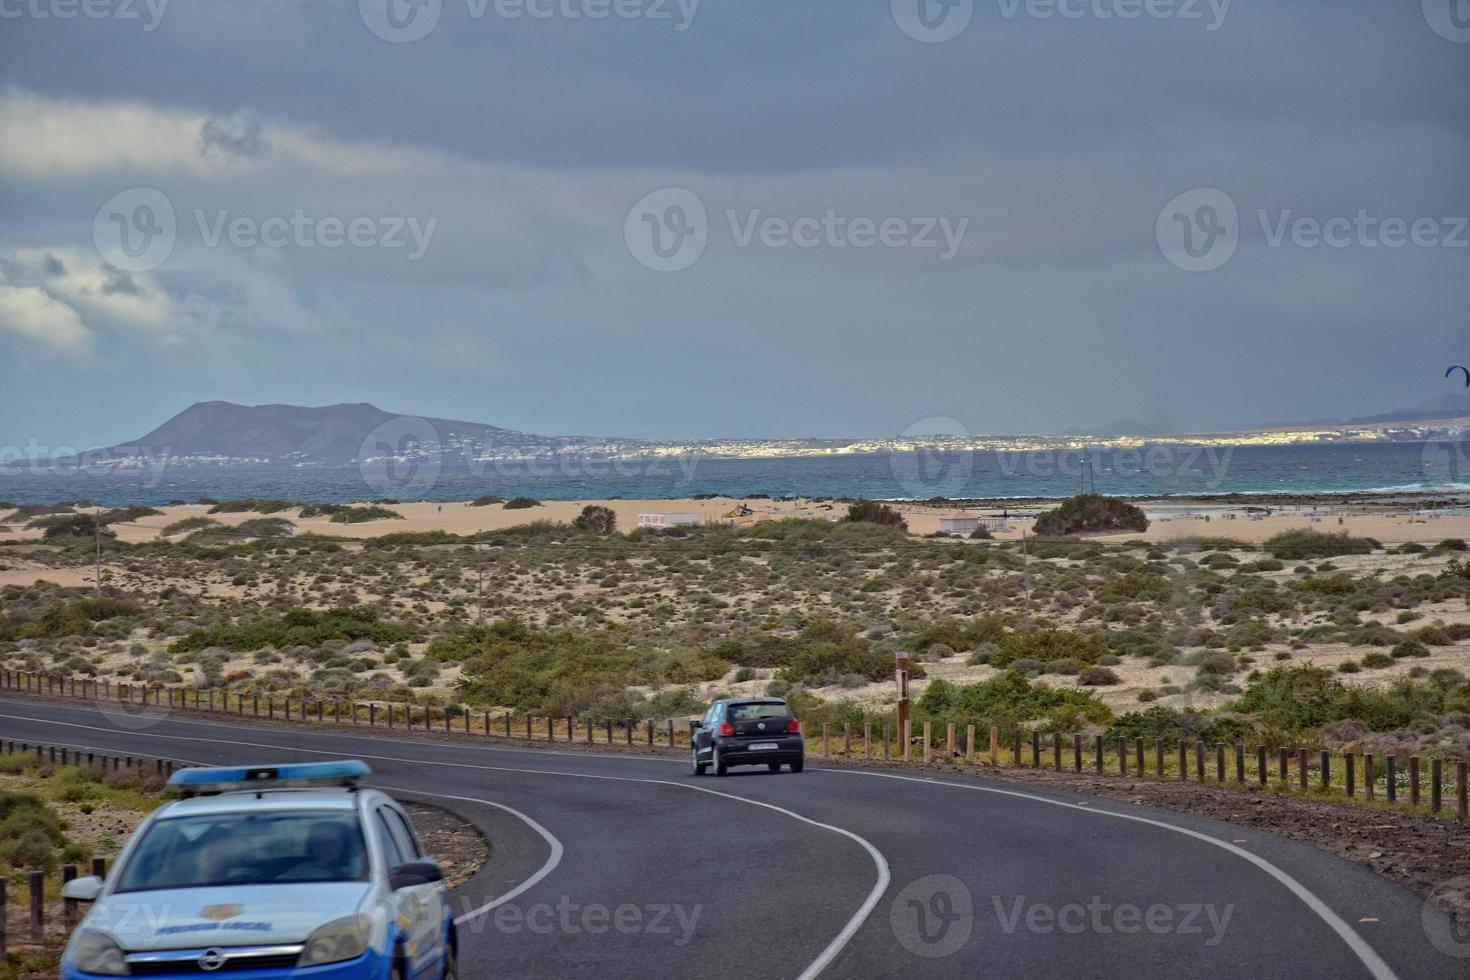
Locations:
{"points": [[628, 866]]}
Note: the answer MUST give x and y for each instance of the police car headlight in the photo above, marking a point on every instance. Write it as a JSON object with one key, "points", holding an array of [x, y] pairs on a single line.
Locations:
{"points": [[93, 952], [342, 939]]}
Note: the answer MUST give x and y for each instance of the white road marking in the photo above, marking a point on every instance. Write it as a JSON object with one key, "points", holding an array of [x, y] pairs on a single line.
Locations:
{"points": [[551, 862], [838, 943], [1374, 963]]}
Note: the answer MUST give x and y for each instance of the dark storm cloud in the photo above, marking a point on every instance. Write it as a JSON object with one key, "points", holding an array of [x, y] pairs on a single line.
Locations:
{"points": [[1059, 139]]}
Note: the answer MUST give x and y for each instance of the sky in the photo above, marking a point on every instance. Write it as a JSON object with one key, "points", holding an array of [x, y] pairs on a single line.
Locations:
{"points": [[726, 218]]}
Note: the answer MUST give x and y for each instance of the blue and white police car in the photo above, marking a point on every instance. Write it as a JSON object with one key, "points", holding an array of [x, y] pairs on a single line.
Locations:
{"points": [[266, 872]]}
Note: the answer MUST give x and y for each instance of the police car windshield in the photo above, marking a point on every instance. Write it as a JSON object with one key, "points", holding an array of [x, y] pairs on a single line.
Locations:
{"points": [[247, 849]]}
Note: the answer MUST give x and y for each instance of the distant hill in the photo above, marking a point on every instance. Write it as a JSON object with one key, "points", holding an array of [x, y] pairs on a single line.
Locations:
{"points": [[1438, 407], [331, 433]]}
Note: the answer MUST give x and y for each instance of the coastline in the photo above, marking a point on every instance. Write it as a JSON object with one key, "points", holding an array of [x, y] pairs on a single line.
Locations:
{"points": [[1425, 518]]}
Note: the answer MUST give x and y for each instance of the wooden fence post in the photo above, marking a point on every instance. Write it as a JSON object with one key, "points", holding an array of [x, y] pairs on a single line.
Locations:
{"points": [[949, 739], [1122, 755], [1414, 780], [867, 739], [1462, 792], [68, 905], [1183, 762], [1097, 751], [1391, 777], [928, 738], [1301, 765], [1350, 775], [1056, 751], [994, 746], [38, 905], [1436, 783], [1035, 750], [1326, 769]]}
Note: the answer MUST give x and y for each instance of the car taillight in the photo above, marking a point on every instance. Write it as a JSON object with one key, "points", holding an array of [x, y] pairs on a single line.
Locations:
{"points": [[726, 728], [794, 727]]}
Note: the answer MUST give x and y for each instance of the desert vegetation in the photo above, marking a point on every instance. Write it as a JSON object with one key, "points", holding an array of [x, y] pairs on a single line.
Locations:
{"points": [[1313, 636]]}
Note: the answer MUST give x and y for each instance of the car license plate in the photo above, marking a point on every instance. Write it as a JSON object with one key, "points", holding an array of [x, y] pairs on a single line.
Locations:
{"points": [[764, 747]]}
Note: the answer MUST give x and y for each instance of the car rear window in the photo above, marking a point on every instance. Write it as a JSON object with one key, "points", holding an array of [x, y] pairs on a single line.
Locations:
{"points": [[756, 712]]}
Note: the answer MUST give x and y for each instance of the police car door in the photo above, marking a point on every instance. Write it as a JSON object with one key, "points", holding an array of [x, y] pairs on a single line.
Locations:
{"points": [[421, 905]]}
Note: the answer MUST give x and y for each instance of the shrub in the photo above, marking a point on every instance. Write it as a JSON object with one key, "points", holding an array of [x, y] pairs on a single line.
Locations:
{"points": [[486, 501], [873, 512], [1099, 677], [298, 627], [1048, 645], [30, 833], [826, 651], [250, 505], [1008, 701], [1091, 513], [521, 503], [1409, 648], [597, 520], [1375, 660], [1303, 544]]}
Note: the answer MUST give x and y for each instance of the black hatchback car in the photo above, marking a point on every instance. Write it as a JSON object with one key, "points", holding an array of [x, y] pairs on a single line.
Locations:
{"points": [[747, 732]]}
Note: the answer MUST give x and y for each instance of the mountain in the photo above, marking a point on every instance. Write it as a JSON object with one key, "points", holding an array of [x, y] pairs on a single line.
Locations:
{"points": [[332, 433], [1115, 430], [1439, 407]]}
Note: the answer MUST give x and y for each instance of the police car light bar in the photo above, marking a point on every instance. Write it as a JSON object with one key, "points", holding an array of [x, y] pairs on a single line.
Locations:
{"points": [[252, 778]]}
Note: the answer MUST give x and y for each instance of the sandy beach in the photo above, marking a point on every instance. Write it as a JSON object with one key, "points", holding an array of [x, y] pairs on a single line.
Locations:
{"points": [[1393, 521]]}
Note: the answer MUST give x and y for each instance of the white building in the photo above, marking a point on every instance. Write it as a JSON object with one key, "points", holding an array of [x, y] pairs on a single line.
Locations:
{"points": [[667, 520], [960, 525]]}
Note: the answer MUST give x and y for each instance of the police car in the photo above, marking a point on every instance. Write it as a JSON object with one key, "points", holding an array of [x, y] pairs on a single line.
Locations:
{"points": [[268, 871]]}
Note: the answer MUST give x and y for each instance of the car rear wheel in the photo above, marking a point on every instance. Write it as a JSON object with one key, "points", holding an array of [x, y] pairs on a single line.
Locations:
{"points": [[720, 767], [797, 765], [699, 767], [774, 766]]}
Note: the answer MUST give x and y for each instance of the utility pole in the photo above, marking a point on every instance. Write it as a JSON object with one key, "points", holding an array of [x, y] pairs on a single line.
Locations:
{"points": [[97, 538], [480, 561], [901, 676], [1026, 574]]}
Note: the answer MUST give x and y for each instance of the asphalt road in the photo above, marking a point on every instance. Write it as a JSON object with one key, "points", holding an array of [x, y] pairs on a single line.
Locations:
{"points": [[609, 865]]}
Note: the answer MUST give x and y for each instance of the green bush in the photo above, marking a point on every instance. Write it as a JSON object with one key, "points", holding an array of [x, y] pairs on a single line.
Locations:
{"points": [[596, 519], [1303, 544], [1009, 701], [1099, 677], [521, 503], [1091, 513], [31, 834], [1409, 648], [873, 512], [825, 652], [298, 627], [1048, 645]]}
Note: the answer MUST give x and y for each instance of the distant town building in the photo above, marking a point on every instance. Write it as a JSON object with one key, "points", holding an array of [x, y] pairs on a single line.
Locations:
{"points": [[667, 520]]}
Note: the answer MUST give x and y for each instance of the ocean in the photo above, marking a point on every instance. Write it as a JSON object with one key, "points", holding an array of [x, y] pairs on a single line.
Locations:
{"points": [[1147, 471]]}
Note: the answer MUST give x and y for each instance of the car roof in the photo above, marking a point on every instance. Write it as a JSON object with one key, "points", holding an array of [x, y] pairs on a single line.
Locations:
{"points": [[755, 701], [274, 800]]}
